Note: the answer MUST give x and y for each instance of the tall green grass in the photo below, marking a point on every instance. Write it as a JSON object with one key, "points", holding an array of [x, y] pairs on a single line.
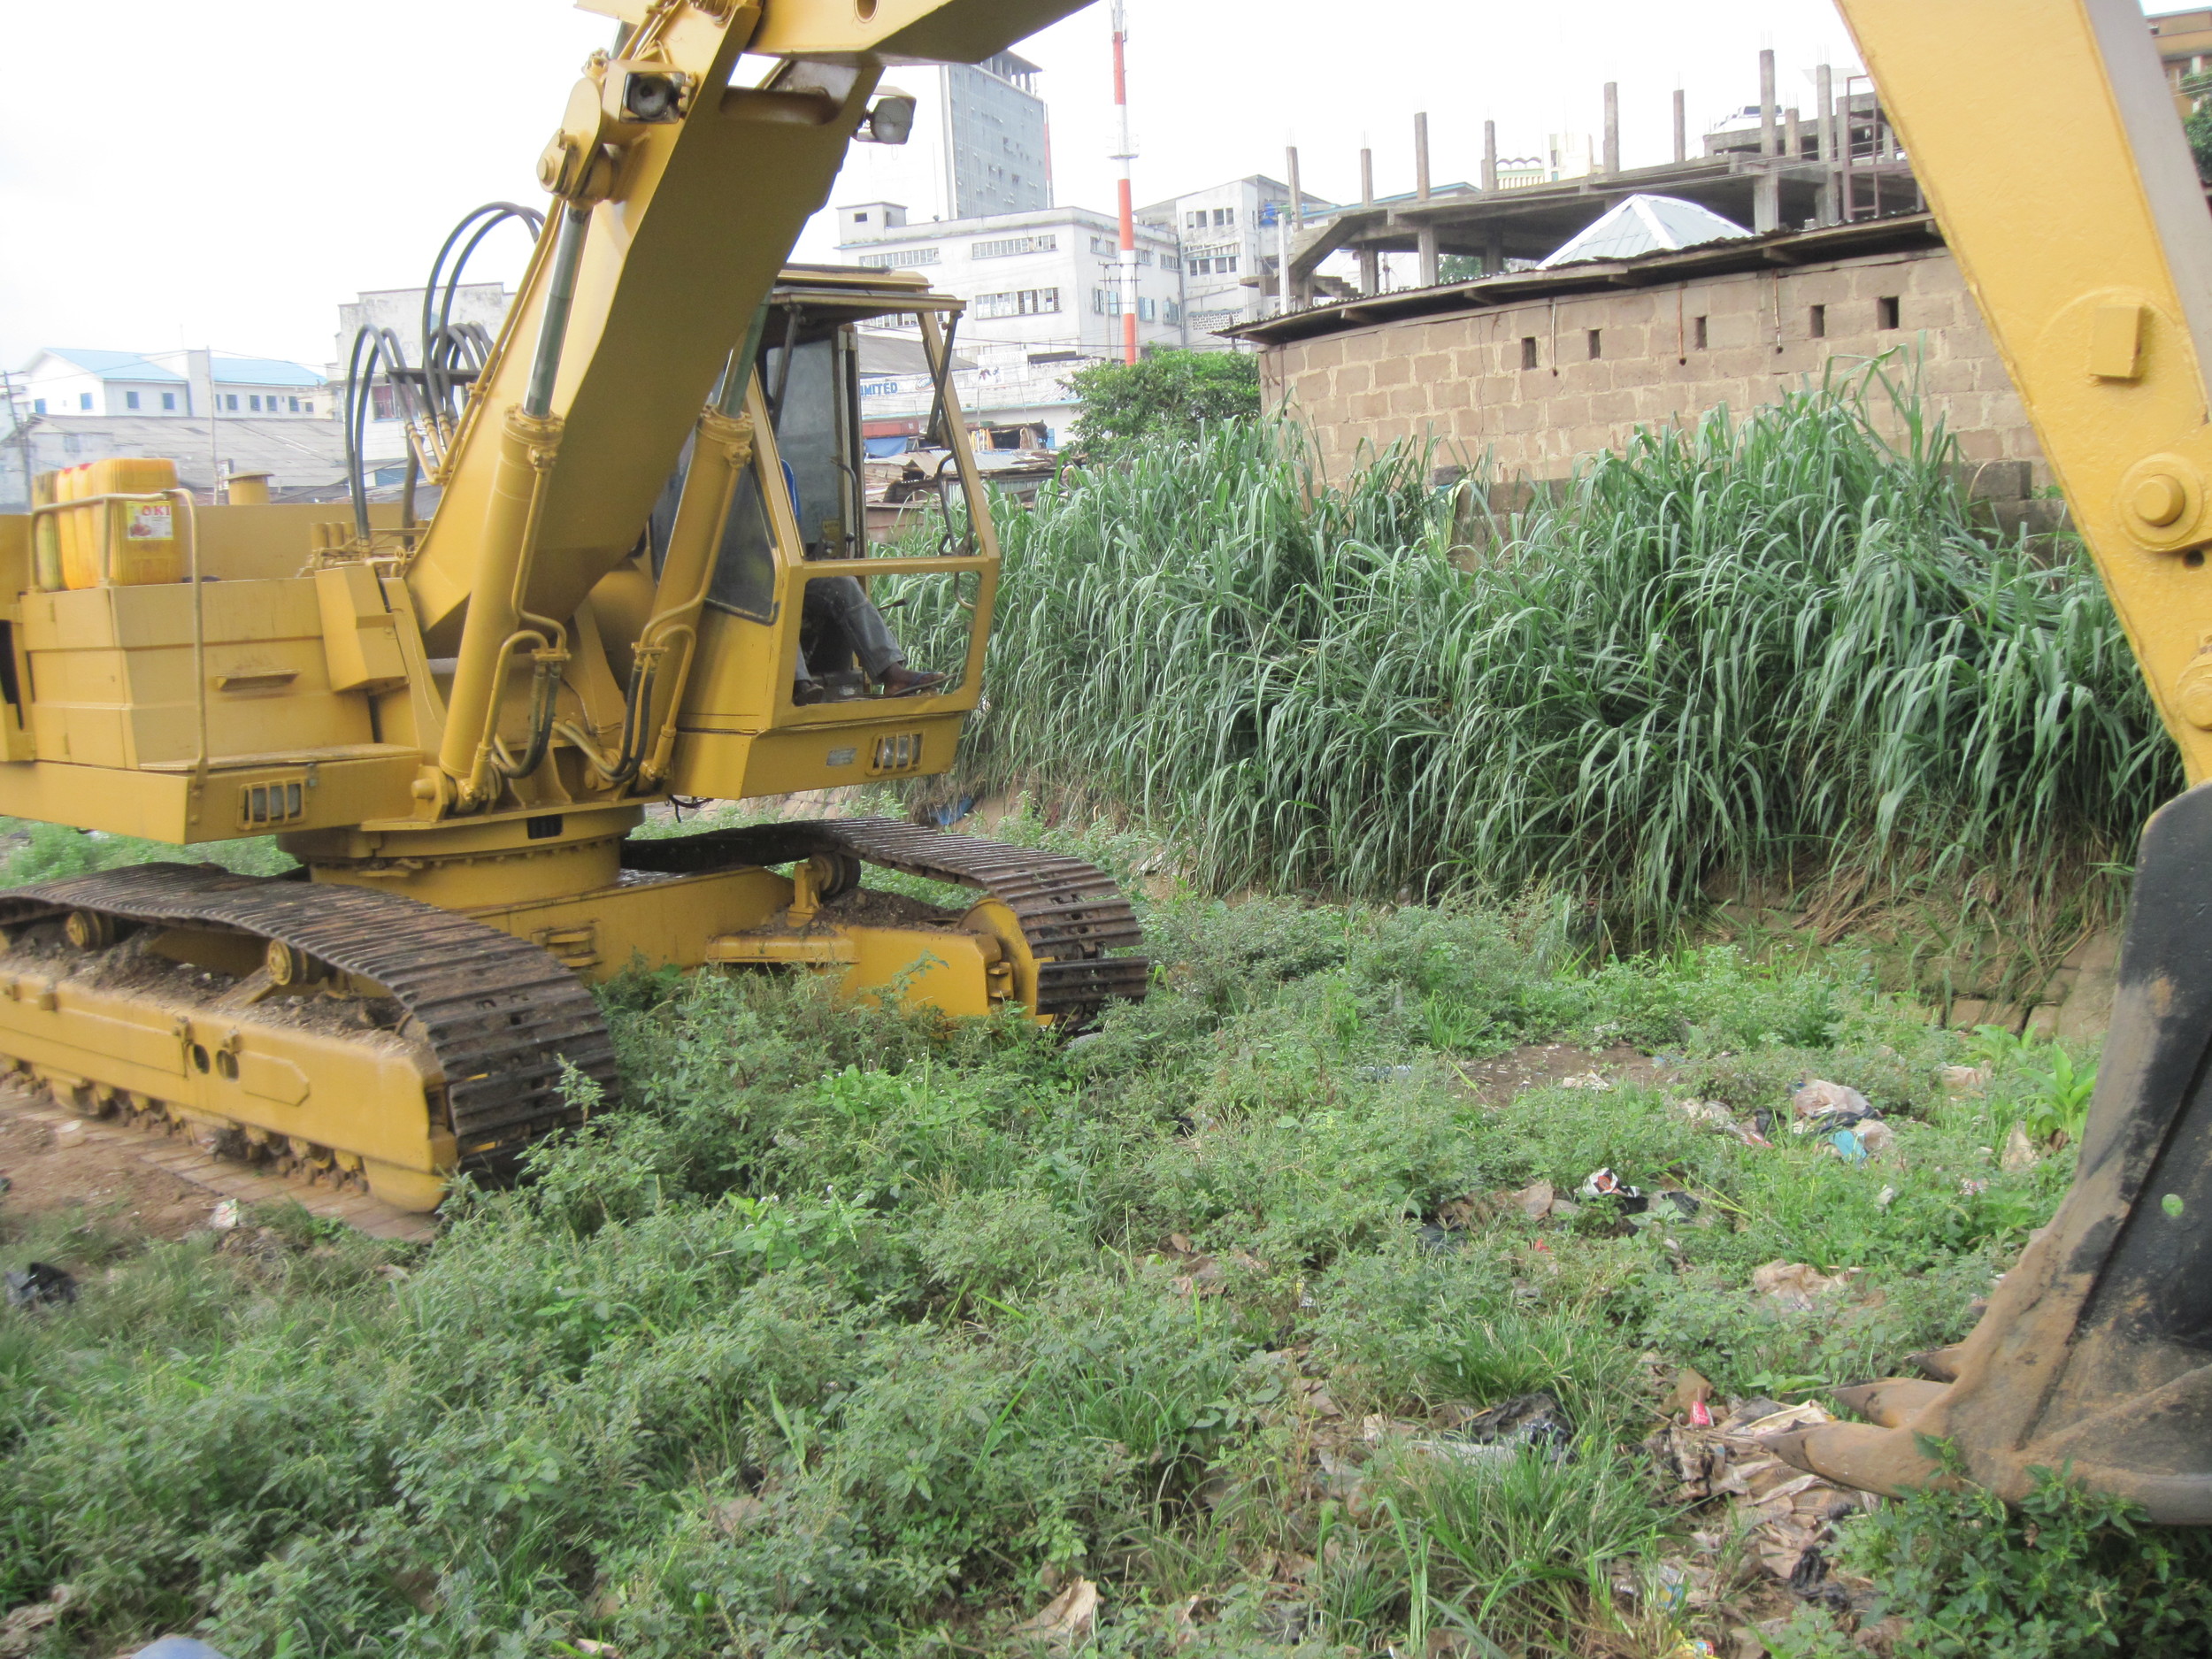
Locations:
{"points": [[1777, 644]]}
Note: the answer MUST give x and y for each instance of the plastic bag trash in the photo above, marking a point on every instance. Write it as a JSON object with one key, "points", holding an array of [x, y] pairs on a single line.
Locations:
{"points": [[1587, 1080], [1605, 1184], [40, 1285], [1794, 1285], [1821, 1107], [1064, 1622], [2019, 1153], [1961, 1080], [225, 1216], [178, 1647], [1874, 1135], [1500, 1432], [1847, 1147]]}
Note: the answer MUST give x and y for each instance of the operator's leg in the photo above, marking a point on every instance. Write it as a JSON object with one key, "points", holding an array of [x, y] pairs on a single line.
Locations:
{"points": [[842, 601]]}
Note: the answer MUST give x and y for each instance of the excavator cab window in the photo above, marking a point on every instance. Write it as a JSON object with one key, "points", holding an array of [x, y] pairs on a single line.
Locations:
{"points": [[813, 397], [745, 569]]}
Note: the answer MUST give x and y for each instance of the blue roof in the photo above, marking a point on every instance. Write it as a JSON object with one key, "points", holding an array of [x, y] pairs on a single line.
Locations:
{"points": [[228, 370], [231, 371], [115, 365]]}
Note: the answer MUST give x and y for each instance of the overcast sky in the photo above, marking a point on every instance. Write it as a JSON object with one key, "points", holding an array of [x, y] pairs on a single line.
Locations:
{"points": [[225, 174]]}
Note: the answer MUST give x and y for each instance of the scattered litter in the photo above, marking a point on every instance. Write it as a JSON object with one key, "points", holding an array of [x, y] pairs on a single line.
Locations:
{"points": [[1970, 1186], [185, 1647], [18, 1630], [1632, 1201], [1690, 1397], [1884, 1199], [2019, 1153], [1961, 1080], [1500, 1432], [1437, 1240], [1847, 1147], [1794, 1285], [1605, 1184], [1064, 1622], [1875, 1135], [1787, 1513], [1534, 1201], [40, 1285], [1715, 1116], [1822, 1107], [592, 1649], [226, 1216], [1762, 1121], [70, 1133], [1586, 1080]]}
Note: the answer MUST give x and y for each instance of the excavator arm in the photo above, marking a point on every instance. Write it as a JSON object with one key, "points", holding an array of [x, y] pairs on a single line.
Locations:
{"points": [[2043, 134]]}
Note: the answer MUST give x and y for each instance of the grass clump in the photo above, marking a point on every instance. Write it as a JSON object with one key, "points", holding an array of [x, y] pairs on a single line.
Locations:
{"points": [[1777, 646]]}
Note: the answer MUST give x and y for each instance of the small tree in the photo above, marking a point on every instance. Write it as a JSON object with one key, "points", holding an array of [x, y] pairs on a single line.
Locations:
{"points": [[2199, 124], [1169, 394]]}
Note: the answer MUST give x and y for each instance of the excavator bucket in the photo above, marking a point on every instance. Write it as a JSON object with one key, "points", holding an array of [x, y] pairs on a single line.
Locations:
{"points": [[2056, 166], [2095, 1355]]}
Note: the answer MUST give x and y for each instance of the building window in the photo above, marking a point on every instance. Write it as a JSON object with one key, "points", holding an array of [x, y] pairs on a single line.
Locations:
{"points": [[1201, 267], [1528, 351], [84, 400], [1226, 267], [1014, 245], [1595, 336], [1169, 262], [296, 405], [860, 219], [380, 403], [1818, 322], [308, 408], [1885, 312], [1194, 220], [912, 258], [1148, 309], [253, 402], [1174, 312], [230, 401], [1144, 256], [38, 405], [1222, 216], [1021, 302], [168, 400], [1697, 332], [130, 400]]}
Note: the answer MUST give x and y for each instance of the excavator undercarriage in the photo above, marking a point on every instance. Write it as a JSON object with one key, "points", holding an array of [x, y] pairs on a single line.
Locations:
{"points": [[349, 1036]]}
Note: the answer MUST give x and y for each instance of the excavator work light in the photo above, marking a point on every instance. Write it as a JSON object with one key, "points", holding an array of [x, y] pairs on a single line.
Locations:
{"points": [[651, 99], [891, 121]]}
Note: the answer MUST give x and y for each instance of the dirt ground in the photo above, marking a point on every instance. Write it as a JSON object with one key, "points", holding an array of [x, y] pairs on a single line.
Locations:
{"points": [[1495, 1081], [102, 1174]]}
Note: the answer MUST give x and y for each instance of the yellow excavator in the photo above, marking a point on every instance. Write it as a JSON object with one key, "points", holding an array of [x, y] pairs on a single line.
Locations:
{"points": [[453, 722], [453, 725]]}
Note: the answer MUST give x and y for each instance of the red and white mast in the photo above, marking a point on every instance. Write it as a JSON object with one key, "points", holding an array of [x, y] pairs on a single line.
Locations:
{"points": [[1128, 209]]}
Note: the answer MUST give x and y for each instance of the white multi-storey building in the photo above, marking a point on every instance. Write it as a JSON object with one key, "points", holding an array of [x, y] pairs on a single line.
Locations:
{"points": [[1229, 237], [1044, 298], [68, 381]]}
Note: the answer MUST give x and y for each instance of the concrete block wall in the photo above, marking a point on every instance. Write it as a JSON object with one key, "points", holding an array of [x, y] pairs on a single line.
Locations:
{"points": [[1461, 380]]}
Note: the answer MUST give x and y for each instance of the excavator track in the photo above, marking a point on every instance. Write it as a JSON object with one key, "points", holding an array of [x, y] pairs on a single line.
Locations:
{"points": [[503, 1019], [1071, 912]]}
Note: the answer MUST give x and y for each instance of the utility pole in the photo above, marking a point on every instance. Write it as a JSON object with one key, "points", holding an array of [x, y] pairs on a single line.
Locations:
{"points": [[1128, 203], [20, 427]]}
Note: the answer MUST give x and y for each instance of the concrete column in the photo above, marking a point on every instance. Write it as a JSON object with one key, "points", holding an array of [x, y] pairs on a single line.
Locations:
{"points": [[1824, 92], [1425, 234], [1612, 126], [1681, 127], [1300, 289], [1370, 261], [1766, 196], [1489, 155], [1792, 136], [1492, 251], [1767, 136]]}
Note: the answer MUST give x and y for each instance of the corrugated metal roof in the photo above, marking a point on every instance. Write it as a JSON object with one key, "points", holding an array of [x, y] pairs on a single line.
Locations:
{"points": [[1645, 224], [262, 372], [114, 365]]}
